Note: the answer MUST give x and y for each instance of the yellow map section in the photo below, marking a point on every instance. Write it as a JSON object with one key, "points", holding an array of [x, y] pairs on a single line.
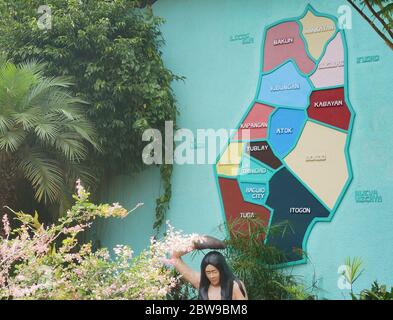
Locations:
{"points": [[230, 159], [317, 31], [319, 161]]}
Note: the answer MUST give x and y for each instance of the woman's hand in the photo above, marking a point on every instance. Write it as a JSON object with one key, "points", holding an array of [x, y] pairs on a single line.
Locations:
{"points": [[178, 254]]}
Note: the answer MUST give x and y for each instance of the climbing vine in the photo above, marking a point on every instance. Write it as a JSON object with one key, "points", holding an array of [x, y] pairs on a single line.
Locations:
{"points": [[112, 50], [162, 203]]}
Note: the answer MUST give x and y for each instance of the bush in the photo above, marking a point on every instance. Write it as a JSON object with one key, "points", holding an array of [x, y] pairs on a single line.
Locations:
{"points": [[377, 292], [112, 51], [44, 134], [47, 262], [258, 264]]}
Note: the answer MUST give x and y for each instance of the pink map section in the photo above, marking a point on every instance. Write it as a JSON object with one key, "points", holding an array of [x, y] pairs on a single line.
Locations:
{"points": [[330, 70], [283, 42], [255, 124]]}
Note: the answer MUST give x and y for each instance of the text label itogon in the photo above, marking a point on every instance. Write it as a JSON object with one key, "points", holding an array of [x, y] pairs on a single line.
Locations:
{"points": [[300, 210]]}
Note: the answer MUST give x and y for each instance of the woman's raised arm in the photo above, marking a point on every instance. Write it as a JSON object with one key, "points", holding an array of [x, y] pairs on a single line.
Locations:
{"points": [[188, 274]]}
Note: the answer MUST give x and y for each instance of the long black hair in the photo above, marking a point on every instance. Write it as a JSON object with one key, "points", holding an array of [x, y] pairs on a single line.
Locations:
{"points": [[227, 278]]}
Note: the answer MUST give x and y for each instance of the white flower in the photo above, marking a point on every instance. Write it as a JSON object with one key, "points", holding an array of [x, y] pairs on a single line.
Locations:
{"points": [[174, 241], [79, 188]]}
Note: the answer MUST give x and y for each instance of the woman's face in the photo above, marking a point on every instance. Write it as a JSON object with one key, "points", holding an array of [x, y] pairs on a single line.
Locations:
{"points": [[212, 274]]}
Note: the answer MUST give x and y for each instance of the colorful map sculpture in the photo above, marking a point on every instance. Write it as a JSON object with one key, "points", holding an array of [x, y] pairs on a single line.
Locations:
{"points": [[288, 162]]}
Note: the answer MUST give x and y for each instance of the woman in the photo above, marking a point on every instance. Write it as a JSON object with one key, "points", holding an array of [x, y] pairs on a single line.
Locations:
{"points": [[215, 281]]}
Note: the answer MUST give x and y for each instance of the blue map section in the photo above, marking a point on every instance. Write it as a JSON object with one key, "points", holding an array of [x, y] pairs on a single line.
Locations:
{"points": [[254, 171], [286, 125], [285, 87], [294, 209], [254, 192]]}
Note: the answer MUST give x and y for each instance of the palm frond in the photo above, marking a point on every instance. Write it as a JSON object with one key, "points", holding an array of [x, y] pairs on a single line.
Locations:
{"points": [[33, 67], [6, 123], [28, 118], [75, 170], [71, 146], [46, 130], [387, 10], [61, 102], [84, 129], [45, 126], [44, 174], [40, 92], [3, 60], [11, 140], [14, 86]]}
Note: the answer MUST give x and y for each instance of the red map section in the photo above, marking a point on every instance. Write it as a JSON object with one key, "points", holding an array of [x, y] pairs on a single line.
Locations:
{"points": [[329, 106], [282, 43], [255, 124], [234, 205]]}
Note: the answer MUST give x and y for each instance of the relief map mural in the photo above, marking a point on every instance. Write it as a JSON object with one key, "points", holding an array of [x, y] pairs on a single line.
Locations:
{"points": [[288, 162]]}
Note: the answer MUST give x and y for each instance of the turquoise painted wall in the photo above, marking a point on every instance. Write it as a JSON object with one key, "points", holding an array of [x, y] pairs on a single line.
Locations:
{"points": [[221, 81]]}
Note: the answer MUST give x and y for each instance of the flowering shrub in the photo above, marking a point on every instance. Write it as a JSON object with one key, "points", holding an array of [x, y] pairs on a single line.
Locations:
{"points": [[174, 243], [47, 262]]}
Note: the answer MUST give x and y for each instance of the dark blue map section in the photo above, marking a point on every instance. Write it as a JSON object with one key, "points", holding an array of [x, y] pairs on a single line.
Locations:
{"points": [[295, 211]]}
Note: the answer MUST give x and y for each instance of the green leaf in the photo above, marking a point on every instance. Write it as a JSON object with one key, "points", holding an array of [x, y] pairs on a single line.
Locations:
{"points": [[71, 146], [28, 118], [46, 131], [387, 10], [44, 174], [35, 223], [6, 123], [112, 52], [11, 140]]}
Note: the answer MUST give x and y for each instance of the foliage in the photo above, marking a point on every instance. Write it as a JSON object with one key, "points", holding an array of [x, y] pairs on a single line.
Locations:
{"points": [[112, 50], [256, 263], [162, 203], [47, 262], [183, 290], [297, 291], [175, 241], [384, 9], [178, 243], [43, 132], [377, 292], [379, 15], [352, 270]]}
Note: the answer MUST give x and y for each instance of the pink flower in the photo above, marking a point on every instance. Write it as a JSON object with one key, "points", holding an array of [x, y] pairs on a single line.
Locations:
{"points": [[168, 262], [2, 280], [41, 248], [123, 251], [6, 225], [76, 229], [78, 272]]}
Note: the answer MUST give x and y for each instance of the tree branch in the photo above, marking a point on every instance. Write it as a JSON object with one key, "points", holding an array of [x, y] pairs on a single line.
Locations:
{"points": [[375, 14], [381, 34]]}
